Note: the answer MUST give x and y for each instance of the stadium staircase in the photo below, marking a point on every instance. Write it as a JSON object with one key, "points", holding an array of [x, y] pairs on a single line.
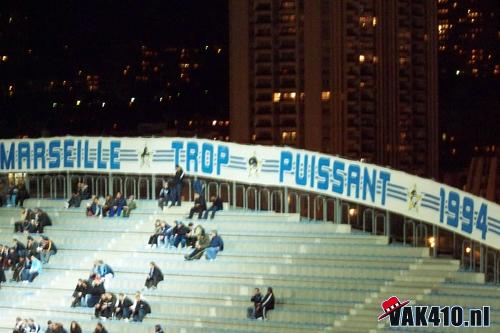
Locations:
{"points": [[326, 277]]}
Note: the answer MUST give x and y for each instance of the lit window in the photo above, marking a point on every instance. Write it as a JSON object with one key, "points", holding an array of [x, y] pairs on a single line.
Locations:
{"points": [[276, 97], [219, 50], [325, 95], [214, 123], [5, 58], [292, 95], [374, 21], [361, 58], [78, 102], [103, 104], [54, 105]]}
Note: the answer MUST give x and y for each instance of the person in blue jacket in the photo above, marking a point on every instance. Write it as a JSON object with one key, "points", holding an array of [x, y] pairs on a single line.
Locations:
{"points": [[216, 245], [120, 202]]}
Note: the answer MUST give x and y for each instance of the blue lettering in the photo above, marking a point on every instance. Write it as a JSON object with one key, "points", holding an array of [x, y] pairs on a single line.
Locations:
{"points": [[177, 146], [23, 152], [7, 162], [353, 172], [55, 156], [323, 174], [79, 153], [87, 163], [100, 163], [369, 184], [313, 164], [301, 170], [192, 155], [222, 157], [285, 163], [207, 158], [385, 177], [338, 179], [38, 154], [114, 148], [68, 144]]}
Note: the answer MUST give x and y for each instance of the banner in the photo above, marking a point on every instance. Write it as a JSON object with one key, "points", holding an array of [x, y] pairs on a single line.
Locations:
{"points": [[366, 184]]}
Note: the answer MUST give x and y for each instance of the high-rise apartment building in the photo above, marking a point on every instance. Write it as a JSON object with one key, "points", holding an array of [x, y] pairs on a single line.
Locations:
{"points": [[356, 78]]}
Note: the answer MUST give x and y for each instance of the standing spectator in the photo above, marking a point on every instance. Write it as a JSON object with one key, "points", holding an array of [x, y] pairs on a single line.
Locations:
{"points": [[34, 270], [178, 183], [200, 205], [130, 206], [216, 245], [47, 249], [140, 308], [165, 195], [255, 311], [216, 206], [117, 208], [13, 190], [158, 329], [155, 276], [267, 302], [75, 327], [76, 198], [22, 194], [122, 306], [99, 328]]}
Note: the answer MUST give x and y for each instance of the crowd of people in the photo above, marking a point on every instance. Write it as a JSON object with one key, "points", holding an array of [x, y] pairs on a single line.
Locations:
{"points": [[13, 195], [30, 326], [32, 221], [111, 206], [25, 261], [261, 304]]}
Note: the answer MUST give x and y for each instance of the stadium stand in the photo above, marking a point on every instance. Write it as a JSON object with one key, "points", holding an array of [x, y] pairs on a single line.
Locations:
{"points": [[325, 276]]}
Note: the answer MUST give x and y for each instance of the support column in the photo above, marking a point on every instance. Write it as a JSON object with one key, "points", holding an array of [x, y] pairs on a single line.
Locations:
{"points": [[153, 187], [285, 199], [110, 184]]}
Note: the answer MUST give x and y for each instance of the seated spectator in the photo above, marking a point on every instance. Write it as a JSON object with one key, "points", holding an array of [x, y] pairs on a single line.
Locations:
{"points": [[179, 233], [140, 308], [74, 328], [108, 204], [20, 264], [99, 328], [200, 205], [2, 273], [32, 326], [105, 307], [104, 272], [165, 196], [26, 216], [122, 306], [42, 220], [19, 247], [191, 236], [94, 291], [46, 248], [153, 239], [216, 245], [267, 303], [158, 329], [165, 235], [79, 293], [201, 244], [57, 328], [255, 311], [119, 203], [28, 275], [216, 206], [94, 208], [155, 276], [85, 191], [129, 207], [19, 326], [32, 247]]}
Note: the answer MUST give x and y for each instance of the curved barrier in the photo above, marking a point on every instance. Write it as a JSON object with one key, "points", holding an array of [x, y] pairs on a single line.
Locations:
{"points": [[259, 177]]}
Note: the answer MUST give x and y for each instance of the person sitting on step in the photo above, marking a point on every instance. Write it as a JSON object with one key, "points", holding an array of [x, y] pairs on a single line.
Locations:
{"points": [[79, 293], [165, 195], [255, 311], [42, 220], [32, 247], [76, 198], [74, 327], [99, 328], [155, 276], [94, 291], [178, 236], [26, 216], [129, 207], [104, 272], [47, 248], [140, 308], [153, 239], [216, 245], [119, 203], [201, 244], [108, 204], [267, 303], [217, 205], [200, 205], [105, 307], [94, 208], [122, 306], [35, 269]]}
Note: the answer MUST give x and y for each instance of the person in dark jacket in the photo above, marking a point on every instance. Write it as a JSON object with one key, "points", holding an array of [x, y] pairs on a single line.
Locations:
{"points": [[158, 329], [58, 328], [165, 195], [267, 303], [79, 293], [76, 198], [198, 187], [216, 245], [140, 308], [117, 208], [26, 216], [178, 184], [255, 311], [47, 249], [178, 235], [22, 194], [108, 204], [200, 205], [217, 205], [42, 220], [94, 292], [122, 306], [155, 276], [99, 328], [32, 247], [19, 247], [106, 305], [75, 327]]}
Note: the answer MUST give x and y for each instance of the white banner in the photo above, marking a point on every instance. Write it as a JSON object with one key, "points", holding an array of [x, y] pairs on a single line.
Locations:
{"points": [[366, 184]]}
